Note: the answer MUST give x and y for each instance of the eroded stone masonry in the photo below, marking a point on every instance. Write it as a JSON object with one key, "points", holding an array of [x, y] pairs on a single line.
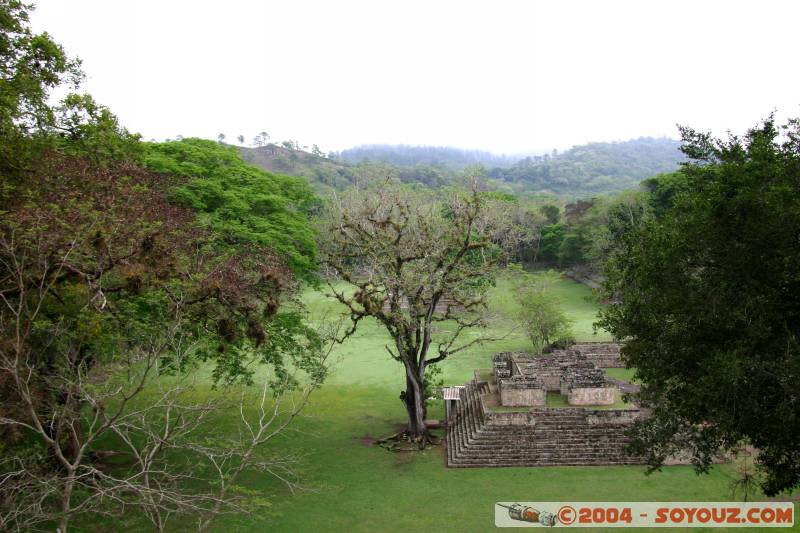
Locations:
{"points": [[540, 410]]}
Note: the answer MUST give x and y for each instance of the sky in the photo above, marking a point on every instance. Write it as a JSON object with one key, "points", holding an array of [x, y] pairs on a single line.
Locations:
{"points": [[505, 76]]}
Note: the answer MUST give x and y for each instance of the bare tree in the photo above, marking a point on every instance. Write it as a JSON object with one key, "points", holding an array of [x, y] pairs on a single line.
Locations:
{"points": [[420, 265], [105, 287], [169, 468], [261, 139]]}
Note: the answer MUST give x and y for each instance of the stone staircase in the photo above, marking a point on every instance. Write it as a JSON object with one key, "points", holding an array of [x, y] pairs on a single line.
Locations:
{"points": [[534, 437]]}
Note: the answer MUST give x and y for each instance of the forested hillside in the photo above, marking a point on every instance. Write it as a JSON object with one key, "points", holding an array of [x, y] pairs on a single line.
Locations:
{"points": [[321, 171], [595, 167], [441, 156], [584, 170]]}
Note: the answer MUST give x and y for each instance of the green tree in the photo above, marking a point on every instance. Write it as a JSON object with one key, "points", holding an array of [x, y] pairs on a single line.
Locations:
{"points": [[261, 139], [540, 314], [106, 285], [86, 129], [552, 237], [421, 266], [31, 65], [707, 300], [240, 201], [663, 190], [551, 212]]}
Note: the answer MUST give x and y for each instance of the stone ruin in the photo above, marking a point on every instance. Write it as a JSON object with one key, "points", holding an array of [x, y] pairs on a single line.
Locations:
{"points": [[601, 354], [525, 380], [501, 417]]}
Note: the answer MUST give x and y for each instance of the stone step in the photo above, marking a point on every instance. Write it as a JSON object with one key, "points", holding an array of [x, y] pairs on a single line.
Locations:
{"points": [[470, 461], [527, 461], [559, 437], [560, 455]]}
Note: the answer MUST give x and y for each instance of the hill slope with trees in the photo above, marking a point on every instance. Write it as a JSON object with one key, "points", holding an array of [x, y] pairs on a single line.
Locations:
{"points": [[440, 156], [584, 170], [595, 167]]}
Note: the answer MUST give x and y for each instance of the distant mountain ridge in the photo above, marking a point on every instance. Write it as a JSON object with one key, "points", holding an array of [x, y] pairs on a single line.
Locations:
{"points": [[440, 156], [588, 169]]}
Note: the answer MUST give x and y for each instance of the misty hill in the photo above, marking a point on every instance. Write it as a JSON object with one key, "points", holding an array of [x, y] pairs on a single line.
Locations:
{"points": [[327, 174], [322, 172], [594, 167], [437, 156], [583, 170]]}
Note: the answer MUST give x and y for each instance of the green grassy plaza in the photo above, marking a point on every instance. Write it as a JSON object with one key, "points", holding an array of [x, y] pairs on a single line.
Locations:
{"points": [[351, 485], [358, 487]]}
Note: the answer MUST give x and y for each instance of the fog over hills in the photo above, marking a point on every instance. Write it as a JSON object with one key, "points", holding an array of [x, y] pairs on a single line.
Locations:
{"points": [[444, 156], [595, 167], [588, 169]]}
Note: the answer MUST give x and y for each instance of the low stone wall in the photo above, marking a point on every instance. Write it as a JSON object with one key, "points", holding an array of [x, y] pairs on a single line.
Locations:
{"points": [[605, 360], [522, 397], [592, 396], [586, 276], [613, 417], [548, 369], [551, 382], [586, 417], [521, 392], [514, 418], [601, 354]]}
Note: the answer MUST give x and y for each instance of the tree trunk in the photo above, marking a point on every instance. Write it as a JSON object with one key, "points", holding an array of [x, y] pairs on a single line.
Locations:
{"points": [[66, 504], [413, 399]]}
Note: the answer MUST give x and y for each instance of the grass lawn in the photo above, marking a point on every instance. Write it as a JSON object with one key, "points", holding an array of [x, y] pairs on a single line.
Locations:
{"points": [[356, 487], [624, 374]]}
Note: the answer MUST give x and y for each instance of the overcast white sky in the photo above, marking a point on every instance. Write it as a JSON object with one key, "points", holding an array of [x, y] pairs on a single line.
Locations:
{"points": [[505, 76]]}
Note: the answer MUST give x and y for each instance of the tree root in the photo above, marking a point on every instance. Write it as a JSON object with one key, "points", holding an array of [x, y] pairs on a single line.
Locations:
{"points": [[405, 441]]}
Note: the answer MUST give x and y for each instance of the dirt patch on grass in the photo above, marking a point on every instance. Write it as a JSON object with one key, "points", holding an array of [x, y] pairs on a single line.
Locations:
{"points": [[403, 459], [366, 440]]}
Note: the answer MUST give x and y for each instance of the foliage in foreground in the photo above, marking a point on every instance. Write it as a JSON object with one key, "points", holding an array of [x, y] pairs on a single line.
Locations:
{"points": [[240, 201], [707, 298], [115, 284]]}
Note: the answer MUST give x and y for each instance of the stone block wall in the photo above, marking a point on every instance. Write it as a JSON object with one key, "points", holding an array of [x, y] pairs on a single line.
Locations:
{"points": [[501, 365], [592, 396], [521, 392], [613, 417], [551, 382], [522, 397], [602, 354]]}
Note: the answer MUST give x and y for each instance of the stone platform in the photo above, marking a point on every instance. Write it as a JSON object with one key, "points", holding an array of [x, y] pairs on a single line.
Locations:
{"points": [[501, 417], [539, 436]]}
